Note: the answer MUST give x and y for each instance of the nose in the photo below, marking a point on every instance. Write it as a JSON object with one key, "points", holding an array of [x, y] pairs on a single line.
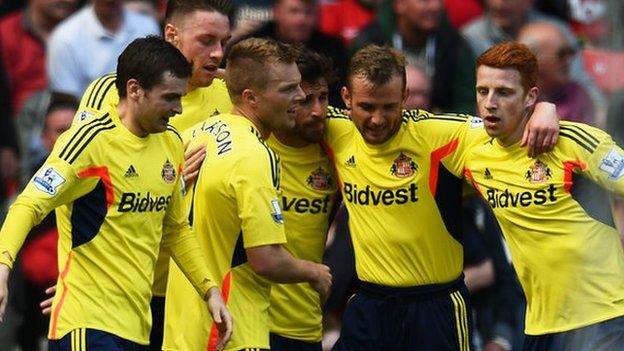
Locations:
{"points": [[377, 118], [177, 107], [318, 110], [490, 102], [299, 95], [217, 52]]}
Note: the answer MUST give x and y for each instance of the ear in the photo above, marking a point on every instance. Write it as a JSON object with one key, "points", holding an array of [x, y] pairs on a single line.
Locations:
{"points": [[133, 89], [171, 34], [346, 96], [249, 98], [531, 97]]}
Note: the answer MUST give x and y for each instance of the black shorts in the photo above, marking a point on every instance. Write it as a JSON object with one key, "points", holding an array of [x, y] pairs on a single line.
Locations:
{"points": [[603, 336], [157, 305], [282, 343], [424, 318], [93, 340]]}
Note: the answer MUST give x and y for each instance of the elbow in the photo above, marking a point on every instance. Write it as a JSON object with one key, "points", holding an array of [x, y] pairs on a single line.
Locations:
{"points": [[263, 265]]}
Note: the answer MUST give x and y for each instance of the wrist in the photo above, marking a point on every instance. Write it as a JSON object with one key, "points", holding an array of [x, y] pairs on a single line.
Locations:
{"points": [[212, 292], [6, 260]]}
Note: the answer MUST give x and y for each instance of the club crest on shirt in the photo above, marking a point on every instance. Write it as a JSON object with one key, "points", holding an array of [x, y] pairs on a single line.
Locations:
{"points": [[320, 179], [403, 166], [168, 172], [613, 164], [538, 173], [48, 180]]}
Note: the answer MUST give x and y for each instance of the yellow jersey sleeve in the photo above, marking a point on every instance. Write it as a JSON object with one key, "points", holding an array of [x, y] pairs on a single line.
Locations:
{"points": [[600, 158], [55, 184], [258, 206], [182, 242]]}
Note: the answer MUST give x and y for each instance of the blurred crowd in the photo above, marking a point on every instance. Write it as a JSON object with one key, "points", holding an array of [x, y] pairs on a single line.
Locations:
{"points": [[50, 50]]}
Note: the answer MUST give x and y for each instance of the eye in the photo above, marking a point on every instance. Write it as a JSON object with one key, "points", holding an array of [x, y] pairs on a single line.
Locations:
{"points": [[482, 91]]}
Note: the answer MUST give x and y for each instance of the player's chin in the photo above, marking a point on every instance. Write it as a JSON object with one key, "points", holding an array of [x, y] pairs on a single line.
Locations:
{"points": [[375, 136]]}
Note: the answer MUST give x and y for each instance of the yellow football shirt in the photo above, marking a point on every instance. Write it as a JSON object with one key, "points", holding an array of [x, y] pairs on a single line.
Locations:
{"points": [[557, 222], [197, 105], [308, 195], [235, 207], [117, 196], [404, 196]]}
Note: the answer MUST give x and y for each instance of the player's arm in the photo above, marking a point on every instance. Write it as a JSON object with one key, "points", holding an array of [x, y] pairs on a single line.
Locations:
{"points": [[254, 182], [279, 266], [179, 238], [542, 129], [599, 157], [55, 183]]}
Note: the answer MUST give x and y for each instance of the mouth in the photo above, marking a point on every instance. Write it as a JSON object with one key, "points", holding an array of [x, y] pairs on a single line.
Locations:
{"points": [[490, 121]]}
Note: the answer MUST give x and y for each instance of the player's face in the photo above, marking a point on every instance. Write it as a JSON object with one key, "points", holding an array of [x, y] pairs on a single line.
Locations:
{"points": [[201, 37], [311, 112], [277, 102], [375, 110], [503, 103], [160, 103]]}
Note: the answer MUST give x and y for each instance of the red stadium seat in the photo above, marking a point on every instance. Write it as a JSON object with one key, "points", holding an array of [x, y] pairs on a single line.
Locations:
{"points": [[606, 67]]}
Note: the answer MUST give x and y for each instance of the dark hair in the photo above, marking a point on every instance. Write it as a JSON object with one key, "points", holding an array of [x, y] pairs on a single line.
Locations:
{"points": [[314, 66], [512, 55], [184, 7], [247, 63], [378, 64], [146, 60], [61, 101]]}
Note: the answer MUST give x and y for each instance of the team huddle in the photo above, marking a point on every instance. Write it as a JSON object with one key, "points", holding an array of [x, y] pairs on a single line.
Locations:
{"points": [[193, 211]]}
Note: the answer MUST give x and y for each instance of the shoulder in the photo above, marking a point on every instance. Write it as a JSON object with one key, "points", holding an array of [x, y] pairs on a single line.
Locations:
{"points": [[81, 138], [98, 90], [580, 135]]}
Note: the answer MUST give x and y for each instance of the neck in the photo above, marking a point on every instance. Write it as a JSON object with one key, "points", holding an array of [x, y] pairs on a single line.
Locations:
{"points": [[127, 116], [265, 132], [516, 135], [42, 25], [412, 36], [290, 139]]}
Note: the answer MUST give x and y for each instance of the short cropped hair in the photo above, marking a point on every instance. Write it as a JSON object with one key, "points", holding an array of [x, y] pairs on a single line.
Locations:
{"points": [[176, 8], [377, 64], [146, 60], [314, 66], [512, 55], [247, 64]]}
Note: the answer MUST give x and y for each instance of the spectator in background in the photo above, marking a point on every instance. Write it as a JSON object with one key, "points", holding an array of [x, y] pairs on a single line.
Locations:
{"points": [[23, 38], [418, 86], [554, 56], [44, 117], [502, 22], [421, 31], [295, 22], [87, 44], [8, 146], [334, 20]]}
